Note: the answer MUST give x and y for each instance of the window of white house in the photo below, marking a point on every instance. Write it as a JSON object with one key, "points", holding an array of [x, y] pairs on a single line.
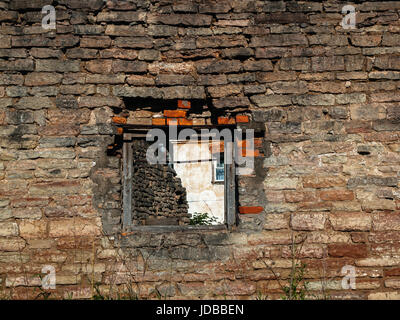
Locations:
{"points": [[219, 169], [198, 170]]}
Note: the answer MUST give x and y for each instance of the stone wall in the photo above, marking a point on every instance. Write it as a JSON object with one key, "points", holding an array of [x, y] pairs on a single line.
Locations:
{"points": [[327, 165], [158, 197]]}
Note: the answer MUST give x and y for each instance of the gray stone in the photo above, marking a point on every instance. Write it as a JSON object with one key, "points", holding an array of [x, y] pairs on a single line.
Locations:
{"points": [[57, 66], [34, 103]]}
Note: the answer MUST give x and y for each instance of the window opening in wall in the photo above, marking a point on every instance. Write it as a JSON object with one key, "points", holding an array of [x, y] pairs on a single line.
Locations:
{"points": [[194, 179]]}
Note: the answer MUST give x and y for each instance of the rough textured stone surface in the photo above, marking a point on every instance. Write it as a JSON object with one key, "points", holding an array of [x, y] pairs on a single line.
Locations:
{"points": [[324, 103]]}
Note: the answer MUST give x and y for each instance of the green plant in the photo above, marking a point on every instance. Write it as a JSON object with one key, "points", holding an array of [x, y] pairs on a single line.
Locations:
{"points": [[261, 296], [297, 288], [98, 295], [43, 293], [202, 219]]}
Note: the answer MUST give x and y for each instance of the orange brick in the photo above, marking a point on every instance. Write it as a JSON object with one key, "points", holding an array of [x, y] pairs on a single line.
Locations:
{"points": [[185, 122], [216, 147], [241, 143], [250, 210], [226, 120], [184, 104], [242, 119], [250, 153], [257, 142], [172, 122], [120, 120], [158, 121], [175, 113]]}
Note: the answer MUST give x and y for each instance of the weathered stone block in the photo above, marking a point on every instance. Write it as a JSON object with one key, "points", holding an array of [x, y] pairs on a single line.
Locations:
{"points": [[57, 66], [12, 244], [95, 42], [134, 42], [350, 221], [97, 101], [314, 99], [271, 100], [142, 92], [8, 229], [105, 79], [217, 66], [117, 16], [73, 227], [42, 79], [34, 103], [81, 53], [129, 66], [181, 92], [17, 65], [332, 63], [170, 80], [277, 40], [180, 19], [231, 102], [366, 40], [308, 221], [137, 80], [387, 62]]}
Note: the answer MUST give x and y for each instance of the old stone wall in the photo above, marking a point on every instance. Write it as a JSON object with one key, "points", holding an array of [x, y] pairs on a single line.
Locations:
{"points": [[158, 195], [324, 101]]}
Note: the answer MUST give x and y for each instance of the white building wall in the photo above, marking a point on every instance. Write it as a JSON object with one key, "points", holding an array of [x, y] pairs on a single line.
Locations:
{"points": [[202, 194]]}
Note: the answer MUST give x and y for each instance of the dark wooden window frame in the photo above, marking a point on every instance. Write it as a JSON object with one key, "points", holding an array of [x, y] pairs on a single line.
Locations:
{"points": [[140, 131]]}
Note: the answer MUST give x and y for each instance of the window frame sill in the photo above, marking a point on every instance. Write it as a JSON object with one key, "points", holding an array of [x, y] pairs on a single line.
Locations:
{"points": [[174, 228]]}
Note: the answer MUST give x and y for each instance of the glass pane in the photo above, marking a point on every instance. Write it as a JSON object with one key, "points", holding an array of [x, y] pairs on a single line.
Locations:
{"points": [[219, 174]]}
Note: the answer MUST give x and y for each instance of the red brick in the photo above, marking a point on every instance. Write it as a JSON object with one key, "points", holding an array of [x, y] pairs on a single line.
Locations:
{"points": [[250, 210], [172, 122], [184, 104], [348, 250], [185, 122], [258, 142], [250, 153], [385, 236], [226, 120], [392, 272], [158, 121], [242, 119], [386, 221], [359, 237], [75, 242], [216, 147], [119, 120], [175, 113]]}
